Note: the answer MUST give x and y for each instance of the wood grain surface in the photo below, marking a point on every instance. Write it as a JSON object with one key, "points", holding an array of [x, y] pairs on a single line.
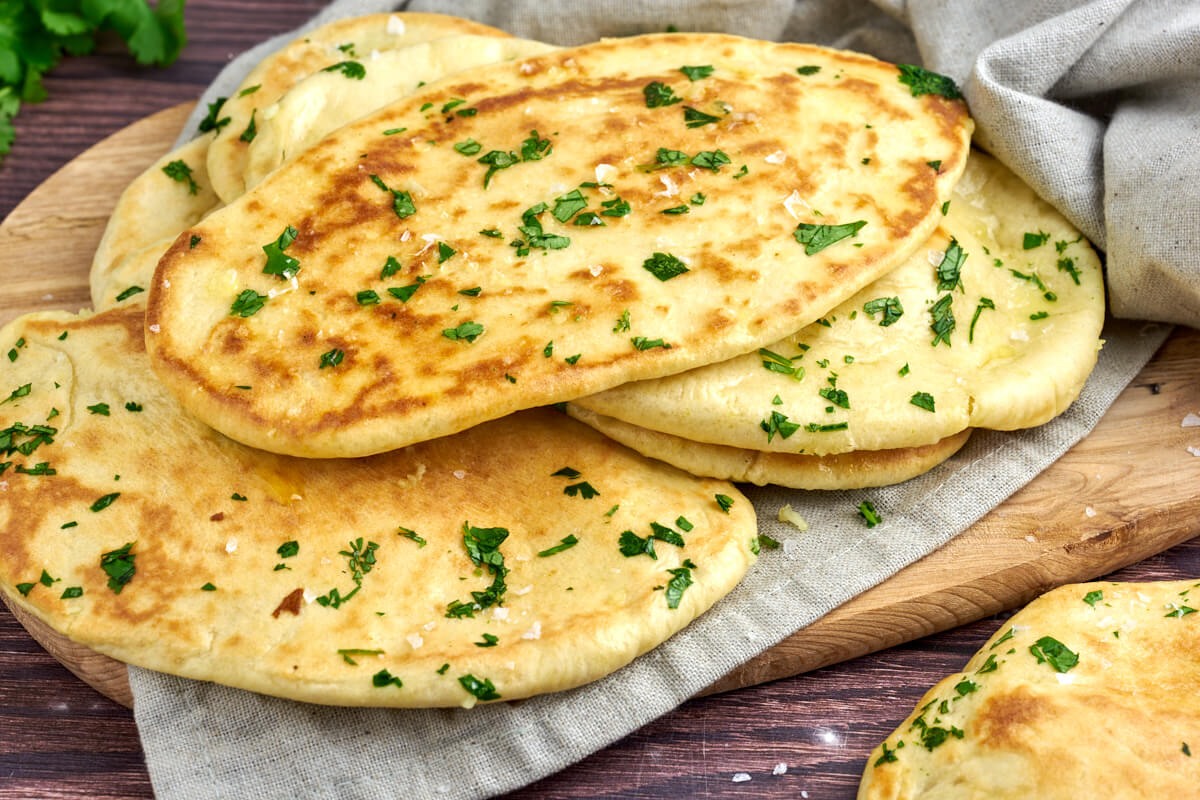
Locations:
{"points": [[822, 724]]}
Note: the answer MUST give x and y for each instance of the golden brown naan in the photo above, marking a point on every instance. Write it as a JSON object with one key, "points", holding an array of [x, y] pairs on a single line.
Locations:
{"points": [[763, 153], [350, 40], [154, 207], [1022, 335], [858, 469], [124, 465], [1089, 692]]}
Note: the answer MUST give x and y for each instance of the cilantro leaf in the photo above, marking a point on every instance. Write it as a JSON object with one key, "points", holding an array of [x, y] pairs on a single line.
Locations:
{"points": [[351, 69], [658, 94], [816, 238], [922, 81], [664, 266]]}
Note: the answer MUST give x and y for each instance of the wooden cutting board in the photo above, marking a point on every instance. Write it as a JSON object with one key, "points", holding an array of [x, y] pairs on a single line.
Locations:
{"points": [[1129, 490]]}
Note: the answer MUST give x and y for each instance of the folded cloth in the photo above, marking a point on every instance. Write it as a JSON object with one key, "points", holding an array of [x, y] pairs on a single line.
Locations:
{"points": [[1094, 105]]}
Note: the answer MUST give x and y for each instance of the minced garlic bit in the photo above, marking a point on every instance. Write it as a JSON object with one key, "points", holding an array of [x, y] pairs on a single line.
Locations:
{"points": [[788, 514]]}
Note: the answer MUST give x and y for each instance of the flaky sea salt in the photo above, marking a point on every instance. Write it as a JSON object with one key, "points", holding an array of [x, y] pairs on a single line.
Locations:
{"points": [[460, 474], [780, 768], [155, 328], [534, 632], [499, 612], [740, 777], [415, 640], [1193, 450], [1190, 421], [1091, 512], [309, 595], [231, 545], [395, 26], [778, 157]]}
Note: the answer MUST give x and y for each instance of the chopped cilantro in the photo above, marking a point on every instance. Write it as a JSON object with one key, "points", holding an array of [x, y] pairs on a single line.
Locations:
{"points": [[99, 408], [211, 122], [277, 263], [472, 292], [1039, 315], [675, 210], [1032, 240], [534, 148], [251, 128], [889, 754], [411, 534], [949, 271], [481, 688], [866, 510], [664, 266], [615, 208], [1092, 597], [1068, 265], [681, 579], [836, 396], [711, 160], [741, 173], [566, 472], [1054, 652], [922, 81], [808, 69], [778, 424], [496, 161], [697, 119], [890, 307], [565, 544], [569, 205], [351, 69], [922, 400], [943, 320], [468, 331], [367, 297], [583, 489], [384, 678], [118, 565], [724, 502], [360, 561], [180, 172], [71, 592], [132, 406], [489, 640], [288, 549], [491, 233], [468, 148], [402, 202], [332, 358], [104, 502], [984, 303], [965, 687], [697, 73], [247, 304], [658, 94], [130, 292], [630, 545], [816, 238], [697, 199], [622, 322], [405, 293], [642, 343]]}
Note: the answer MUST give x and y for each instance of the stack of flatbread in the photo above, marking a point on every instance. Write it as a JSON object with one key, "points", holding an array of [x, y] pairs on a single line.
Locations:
{"points": [[299, 447]]}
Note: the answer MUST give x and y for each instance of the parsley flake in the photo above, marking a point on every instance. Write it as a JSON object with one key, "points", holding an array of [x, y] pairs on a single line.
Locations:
{"points": [[922, 81], [332, 358], [866, 510], [1093, 597], [1049, 650], [943, 320], [565, 544], [402, 202], [251, 129], [118, 565], [468, 148], [711, 160], [350, 69], [948, 272], [1032, 240], [130, 292], [808, 69], [179, 171], [816, 238], [659, 94], [481, 688], [664, 266], [778, 424], [694, 118], [285, 267], [583, 489], [984, 303], [890, 307], [384, 678], [922, 400], [697, 73], [213, 121], [681, 579], [468, 331]]}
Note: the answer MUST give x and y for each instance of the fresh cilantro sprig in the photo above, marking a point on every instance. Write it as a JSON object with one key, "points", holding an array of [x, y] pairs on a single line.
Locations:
{"points": [[35, 36]]}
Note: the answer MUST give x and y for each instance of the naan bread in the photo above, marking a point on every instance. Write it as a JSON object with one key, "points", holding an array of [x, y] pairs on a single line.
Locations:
{"points": [[354, 39], [569, 304], [200, 510], [325, 101], [857, 470], [155, 206], [1088, 692], [860, 380]]}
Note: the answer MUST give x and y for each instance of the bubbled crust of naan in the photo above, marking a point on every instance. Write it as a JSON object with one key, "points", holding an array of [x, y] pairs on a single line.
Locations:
{"points": [[306, 55], [325, 101], [1016, 373], [1113, 726], [402, 380], [570, 617], [856, 470], [153, 207]]}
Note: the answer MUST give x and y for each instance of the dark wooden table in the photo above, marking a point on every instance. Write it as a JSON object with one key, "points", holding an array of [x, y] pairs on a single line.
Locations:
{"points": [[60, 739]]}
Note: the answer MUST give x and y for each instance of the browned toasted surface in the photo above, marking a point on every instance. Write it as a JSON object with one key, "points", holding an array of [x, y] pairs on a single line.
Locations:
{"points": [[795, 146], [1090, 691], [124, 465]]}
